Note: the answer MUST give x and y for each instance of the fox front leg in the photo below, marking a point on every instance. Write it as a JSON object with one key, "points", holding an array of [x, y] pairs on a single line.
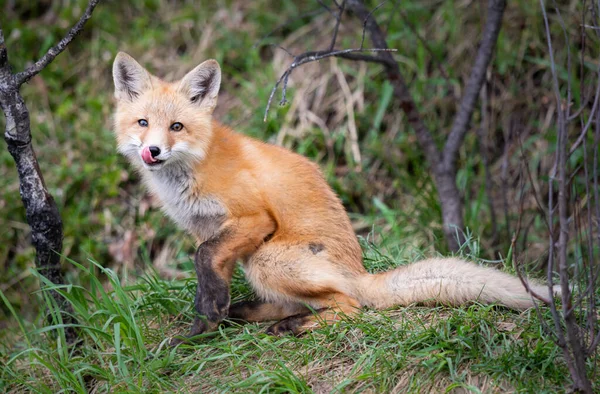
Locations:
{"points": [[214, 263], [212, 291]]}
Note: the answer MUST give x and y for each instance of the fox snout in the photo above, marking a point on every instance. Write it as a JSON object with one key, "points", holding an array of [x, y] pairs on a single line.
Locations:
{"points": [[153, 156], [149, 154]]}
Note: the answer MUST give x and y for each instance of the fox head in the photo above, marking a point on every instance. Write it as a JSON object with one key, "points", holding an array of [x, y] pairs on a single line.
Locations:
{"points": [[158, 123]]}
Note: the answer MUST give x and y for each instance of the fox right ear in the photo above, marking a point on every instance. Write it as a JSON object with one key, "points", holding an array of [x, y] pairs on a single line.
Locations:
{"points": [[129, 77], [202, 84]]}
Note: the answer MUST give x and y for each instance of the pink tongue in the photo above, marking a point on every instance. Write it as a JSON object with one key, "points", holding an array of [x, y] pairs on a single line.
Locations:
{"points": [[147, 156]]}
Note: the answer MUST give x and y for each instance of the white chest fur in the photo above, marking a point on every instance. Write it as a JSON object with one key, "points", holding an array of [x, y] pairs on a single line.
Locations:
{"points": [[177, 189]]}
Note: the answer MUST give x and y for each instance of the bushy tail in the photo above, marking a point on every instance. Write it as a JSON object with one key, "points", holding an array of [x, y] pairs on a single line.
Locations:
{"points": [[447, 281]]}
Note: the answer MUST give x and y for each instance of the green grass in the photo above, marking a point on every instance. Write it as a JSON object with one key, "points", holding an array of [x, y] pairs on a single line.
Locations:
{"points": [[116, 239], [125, 332]]}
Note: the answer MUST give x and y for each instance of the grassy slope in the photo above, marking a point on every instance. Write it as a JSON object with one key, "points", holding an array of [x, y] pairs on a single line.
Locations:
{"points": [[109, 219], [126, 329]]}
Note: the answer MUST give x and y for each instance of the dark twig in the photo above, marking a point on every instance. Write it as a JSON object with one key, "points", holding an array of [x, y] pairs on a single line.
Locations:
{"points": [[534, 190], [30, 72], [338, 18], [460, 126], [561, 22], [401, 91], [290, 54], [365, 58], [326, 7], [573, 347], [513, 248], [312, 56], [587, 125], [308, 57], [368, 19]]}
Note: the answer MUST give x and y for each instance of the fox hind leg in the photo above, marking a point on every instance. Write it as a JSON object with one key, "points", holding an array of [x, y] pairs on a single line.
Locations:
{"points": [[258, 311], [334, 307], [305, 275]]}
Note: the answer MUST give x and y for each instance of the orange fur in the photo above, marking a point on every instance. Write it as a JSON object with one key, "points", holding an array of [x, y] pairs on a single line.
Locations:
{"points": [[272, 209]]}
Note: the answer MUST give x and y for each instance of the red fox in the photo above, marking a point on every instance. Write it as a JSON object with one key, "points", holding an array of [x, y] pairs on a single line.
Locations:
{"points": [[246, 200]]}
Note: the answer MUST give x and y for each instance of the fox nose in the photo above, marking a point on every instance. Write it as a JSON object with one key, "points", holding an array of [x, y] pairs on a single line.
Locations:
{"points": [[154, 151]]}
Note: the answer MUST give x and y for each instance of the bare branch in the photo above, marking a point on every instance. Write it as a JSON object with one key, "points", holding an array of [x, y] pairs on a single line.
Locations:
{"points": [[313, 56], [513, 246], [338, 18], [530, 177], [585, 128], [444, 177], [400, 88], [573, 348], [443, 171], [31, 71], [485, 52], [367, 19], [326, 7], [365, 58], [290, 54], [309, 57]]}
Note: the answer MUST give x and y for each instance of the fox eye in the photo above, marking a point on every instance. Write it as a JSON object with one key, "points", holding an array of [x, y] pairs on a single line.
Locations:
{"points": [[143, 122], [176, 126]]}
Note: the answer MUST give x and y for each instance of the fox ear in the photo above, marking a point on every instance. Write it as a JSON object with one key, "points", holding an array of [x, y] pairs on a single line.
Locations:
{"points": [[202, 84], [130, 78]]}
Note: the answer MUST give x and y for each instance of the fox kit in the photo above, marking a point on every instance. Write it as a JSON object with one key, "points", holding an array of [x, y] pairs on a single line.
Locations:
{"points": [[246, 200]]}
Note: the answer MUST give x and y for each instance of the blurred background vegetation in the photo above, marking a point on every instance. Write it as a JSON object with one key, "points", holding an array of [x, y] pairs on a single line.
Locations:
{"points": [[389, 193]]}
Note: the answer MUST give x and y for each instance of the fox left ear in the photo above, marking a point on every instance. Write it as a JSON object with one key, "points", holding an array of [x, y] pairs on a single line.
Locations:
{"points": [[202, 84], [130, 78]]}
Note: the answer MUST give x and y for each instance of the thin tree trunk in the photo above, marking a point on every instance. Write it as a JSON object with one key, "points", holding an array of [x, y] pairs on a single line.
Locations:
{"points": [[443, 163], [40, 209]]}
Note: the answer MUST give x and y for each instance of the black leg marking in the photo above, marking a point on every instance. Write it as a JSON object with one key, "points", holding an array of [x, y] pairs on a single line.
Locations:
{"points": [[212, 291]]}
